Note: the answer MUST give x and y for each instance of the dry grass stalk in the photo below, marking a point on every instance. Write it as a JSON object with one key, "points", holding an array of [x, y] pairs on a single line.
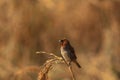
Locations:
{"points": [[73, 76], [43, 74]]}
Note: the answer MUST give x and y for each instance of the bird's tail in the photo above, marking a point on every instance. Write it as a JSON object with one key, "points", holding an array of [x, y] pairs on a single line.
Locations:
{"points": [[75, 61]]}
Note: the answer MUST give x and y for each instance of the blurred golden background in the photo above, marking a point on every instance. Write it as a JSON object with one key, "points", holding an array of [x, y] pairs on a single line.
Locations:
{"points": [[92, 26]]}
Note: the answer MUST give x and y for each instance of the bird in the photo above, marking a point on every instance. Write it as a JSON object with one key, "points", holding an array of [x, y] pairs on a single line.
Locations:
{"points": [[68, 52]]}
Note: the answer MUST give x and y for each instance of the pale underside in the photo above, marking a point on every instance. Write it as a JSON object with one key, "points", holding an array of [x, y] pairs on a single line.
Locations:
{"points": [[64, 54]]}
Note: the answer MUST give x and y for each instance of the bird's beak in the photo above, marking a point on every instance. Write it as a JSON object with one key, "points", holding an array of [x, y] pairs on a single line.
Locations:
{"points": [[60, 40]]}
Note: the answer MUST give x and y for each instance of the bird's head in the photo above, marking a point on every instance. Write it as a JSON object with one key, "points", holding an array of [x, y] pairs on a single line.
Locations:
{"points": [[64, 42]]}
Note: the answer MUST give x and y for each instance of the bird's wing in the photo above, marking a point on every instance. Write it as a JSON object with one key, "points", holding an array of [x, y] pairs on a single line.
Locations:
{"points": [[72, 53]]}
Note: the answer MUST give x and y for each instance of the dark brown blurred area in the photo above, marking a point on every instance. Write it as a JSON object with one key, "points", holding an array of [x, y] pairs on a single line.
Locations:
{"points": [[92, 26]]}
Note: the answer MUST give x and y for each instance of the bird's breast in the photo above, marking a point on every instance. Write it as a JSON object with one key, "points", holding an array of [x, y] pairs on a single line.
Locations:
{"points": [[65, 54]]}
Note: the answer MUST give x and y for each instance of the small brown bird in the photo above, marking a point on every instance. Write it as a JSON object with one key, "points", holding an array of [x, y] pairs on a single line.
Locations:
{"points": [[68, 53]]}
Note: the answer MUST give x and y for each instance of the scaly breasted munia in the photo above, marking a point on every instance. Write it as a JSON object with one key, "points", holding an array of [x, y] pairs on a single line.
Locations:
{"points": [[68, 53]]}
